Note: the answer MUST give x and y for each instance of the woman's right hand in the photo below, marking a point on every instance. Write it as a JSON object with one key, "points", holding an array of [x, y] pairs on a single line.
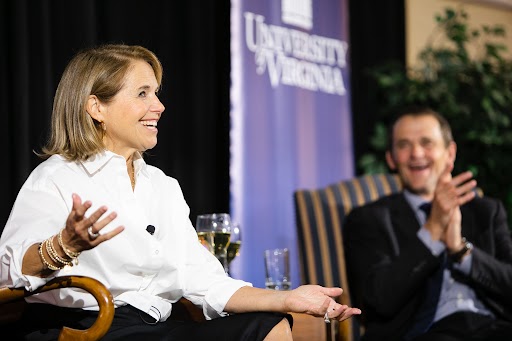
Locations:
{"points": [[79, 233], [41, 259]]}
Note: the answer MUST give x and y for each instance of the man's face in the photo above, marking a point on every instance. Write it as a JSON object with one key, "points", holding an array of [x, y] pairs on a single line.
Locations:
{"points": [[419, 153]]}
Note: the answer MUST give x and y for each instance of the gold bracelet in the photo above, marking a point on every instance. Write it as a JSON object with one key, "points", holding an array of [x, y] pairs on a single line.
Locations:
{"points": [[50, 250], [46, 264], [71, 254]]}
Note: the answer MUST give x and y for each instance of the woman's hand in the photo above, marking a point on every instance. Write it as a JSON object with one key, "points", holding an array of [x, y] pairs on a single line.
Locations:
{"points": [[308, 299], [318, 301], [79, 234], [83, 233]]}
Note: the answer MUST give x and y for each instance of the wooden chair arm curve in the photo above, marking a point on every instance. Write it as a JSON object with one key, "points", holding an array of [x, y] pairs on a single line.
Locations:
{"points": [[93, 286]]}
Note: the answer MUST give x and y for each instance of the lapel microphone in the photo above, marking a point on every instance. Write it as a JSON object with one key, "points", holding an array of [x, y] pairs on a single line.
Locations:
{"points": [[150, 229]]}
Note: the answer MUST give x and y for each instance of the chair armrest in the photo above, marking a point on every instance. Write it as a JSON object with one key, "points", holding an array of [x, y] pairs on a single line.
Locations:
{"points": [[94, 287], [307, 327], [185, 310]]}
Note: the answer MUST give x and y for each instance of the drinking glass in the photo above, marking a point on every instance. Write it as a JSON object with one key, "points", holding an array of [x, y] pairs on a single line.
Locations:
{"points": [[234, 243], [214, 232], [277, 269]]}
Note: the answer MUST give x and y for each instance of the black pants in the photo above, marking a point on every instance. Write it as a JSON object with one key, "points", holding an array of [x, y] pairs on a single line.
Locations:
{"points": [[468, 327], [43, 322]]}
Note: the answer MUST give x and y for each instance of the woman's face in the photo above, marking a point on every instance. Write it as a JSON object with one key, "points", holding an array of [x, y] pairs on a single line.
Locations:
{"points": [[131, 117]]}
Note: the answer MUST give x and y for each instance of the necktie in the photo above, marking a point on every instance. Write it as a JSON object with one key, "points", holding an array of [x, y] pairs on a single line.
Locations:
{"points": [[427, 310], [426, 207]]}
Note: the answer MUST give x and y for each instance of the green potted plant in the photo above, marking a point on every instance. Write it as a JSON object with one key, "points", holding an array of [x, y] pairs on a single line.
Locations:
{"points": [[467, 79]]}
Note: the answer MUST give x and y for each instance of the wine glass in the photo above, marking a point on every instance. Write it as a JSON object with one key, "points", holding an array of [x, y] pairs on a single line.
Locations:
{"points": [[214, 232], [234, 243]]}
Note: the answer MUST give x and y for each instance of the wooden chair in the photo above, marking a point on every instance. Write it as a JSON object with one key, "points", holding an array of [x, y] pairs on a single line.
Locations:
{"points": [[319, 218], [185, 310], [12, 302]]}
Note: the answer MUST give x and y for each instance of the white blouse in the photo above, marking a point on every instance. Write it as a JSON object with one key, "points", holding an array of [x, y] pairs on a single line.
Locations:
{"points": [[149, 272]]}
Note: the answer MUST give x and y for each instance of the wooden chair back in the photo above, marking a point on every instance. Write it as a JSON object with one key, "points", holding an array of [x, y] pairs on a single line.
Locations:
{"points": [[319, 218]]}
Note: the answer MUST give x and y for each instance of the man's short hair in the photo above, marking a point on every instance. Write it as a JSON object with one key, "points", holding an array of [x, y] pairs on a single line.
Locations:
{"points": [[417, 111]]}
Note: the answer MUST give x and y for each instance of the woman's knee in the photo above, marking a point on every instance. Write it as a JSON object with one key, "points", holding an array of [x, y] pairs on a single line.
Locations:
{"points": [[281, 332]]}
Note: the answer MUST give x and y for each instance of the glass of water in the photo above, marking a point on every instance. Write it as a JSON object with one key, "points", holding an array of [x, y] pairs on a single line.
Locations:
{"points": [[277, 269]]}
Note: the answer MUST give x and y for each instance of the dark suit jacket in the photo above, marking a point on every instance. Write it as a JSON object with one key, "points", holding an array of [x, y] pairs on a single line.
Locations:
{"points": [[388, 265]]}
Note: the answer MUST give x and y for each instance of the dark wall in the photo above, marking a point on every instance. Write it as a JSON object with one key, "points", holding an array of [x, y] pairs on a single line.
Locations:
{"points": [[38, 37], [377, 35], [191, 38]]}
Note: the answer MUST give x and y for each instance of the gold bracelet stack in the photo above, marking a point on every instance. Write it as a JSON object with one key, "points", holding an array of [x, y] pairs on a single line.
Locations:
{"points": [[50, 250], [71, 254], [49, 246], [46, 264]]}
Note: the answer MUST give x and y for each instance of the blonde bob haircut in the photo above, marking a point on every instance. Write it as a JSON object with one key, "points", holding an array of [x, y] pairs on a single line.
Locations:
{"points": [[98, 71]]}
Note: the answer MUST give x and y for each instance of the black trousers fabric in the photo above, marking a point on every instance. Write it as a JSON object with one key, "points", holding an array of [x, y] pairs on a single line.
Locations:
{"points": [[43, 322], [468, 326]]}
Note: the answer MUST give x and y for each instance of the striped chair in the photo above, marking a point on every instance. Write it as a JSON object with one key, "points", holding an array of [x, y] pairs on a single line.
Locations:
{"points": [[319, 218]]}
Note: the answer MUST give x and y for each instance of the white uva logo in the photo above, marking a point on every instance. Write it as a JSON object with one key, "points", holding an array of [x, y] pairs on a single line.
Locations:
{"points": [[298, 13], [294, 57]]}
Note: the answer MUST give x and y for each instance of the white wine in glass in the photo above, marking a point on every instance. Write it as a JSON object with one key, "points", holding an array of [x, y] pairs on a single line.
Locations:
{"points": [[214, 232]]}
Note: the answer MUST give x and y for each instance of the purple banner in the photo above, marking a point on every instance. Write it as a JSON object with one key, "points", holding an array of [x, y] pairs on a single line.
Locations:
{"points": [[291, 118]]}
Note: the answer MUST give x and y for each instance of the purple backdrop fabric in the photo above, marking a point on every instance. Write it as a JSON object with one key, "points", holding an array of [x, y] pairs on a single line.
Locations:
{"points": [[291, 118]]}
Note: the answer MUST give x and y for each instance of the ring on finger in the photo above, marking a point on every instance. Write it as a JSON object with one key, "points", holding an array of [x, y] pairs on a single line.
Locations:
{"points": [[326, 318], [92, 234]]}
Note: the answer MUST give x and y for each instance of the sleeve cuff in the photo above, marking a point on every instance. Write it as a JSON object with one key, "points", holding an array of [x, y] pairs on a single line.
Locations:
{"points": [[11, 269], [219, 295], [465, 265]]}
